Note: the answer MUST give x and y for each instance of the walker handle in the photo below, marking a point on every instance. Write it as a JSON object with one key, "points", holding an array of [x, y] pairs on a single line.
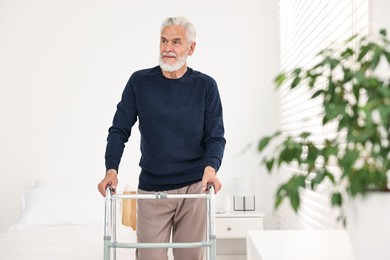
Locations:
{"points": [[210, 188]]}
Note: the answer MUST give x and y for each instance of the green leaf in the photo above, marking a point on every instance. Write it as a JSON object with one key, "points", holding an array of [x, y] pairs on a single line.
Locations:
{"points": [[383, 32], [348, 75], [304, 135], [294, 185], [280, 79], [329, 149], [361, 78], [387, 55], [356, 92], [320, 176], [281, 193], [312, 154], [331, 62], [347, 53], [337, 199], [334, 109], [295, 82], [363, 51], [351, 38], [290, 190], [376, 58], [263, 143], [295, 200], [384, 112], [312, 77], [358, 180], [297, 71], [325, 119], [317, 93], [270, 164], [330, 177], [349, 159], [290, 151]]}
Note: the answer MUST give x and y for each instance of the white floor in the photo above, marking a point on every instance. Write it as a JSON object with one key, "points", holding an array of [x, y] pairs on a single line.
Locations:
{"points": [[233, 257]]}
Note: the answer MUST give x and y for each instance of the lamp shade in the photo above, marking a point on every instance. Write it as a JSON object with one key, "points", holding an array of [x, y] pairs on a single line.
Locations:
{"points": [[244, 186]]}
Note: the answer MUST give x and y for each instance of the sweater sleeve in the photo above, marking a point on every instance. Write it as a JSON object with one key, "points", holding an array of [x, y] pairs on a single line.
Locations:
{"points": [[120, 131], [214, 140]]}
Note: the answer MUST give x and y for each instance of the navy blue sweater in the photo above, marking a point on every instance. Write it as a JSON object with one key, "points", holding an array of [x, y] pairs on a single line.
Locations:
{"points": [[181, 126]]}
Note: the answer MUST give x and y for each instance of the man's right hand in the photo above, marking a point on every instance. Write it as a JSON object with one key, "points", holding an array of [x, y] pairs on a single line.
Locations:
{"points": [[111, 179]]}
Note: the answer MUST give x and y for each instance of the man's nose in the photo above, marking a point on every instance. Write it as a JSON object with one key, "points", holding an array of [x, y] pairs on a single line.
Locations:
{"points": [[168, 47]]}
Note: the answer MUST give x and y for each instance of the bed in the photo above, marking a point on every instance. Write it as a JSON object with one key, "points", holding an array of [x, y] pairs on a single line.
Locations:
{"points": [[63, 223]]}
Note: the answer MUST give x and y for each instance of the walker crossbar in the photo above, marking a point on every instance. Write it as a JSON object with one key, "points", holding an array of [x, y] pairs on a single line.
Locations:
{"points": [[159, 195], [160, 245], [110, 223]]}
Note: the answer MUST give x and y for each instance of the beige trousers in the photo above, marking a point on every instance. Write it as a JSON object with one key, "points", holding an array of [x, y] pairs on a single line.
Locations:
{"points": [[185, 218]]}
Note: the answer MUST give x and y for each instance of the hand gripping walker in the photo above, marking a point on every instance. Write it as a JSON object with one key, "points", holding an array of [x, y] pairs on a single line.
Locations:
{"points": [[110, 223]]}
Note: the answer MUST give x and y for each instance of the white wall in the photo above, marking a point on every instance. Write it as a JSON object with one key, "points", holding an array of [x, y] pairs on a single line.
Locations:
{"points": [[63, 66], [379, 16]]}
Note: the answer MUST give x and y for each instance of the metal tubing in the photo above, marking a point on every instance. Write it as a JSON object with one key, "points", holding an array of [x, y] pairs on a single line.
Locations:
{"points": [[160, 245], [157, 196], [107, 225], [107, 212], [208, 226], [211, 234], [113, 207], [107, 248]]}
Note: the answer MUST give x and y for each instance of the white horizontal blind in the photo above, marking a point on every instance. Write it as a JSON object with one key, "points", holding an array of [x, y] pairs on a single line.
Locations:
{"points": [[306, 27]]}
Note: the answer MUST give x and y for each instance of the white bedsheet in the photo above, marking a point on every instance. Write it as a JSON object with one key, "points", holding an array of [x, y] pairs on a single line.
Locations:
{"points": [[67, 242]]}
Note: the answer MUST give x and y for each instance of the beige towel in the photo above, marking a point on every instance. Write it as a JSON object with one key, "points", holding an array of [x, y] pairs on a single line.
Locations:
{"points": [[129, 211]]}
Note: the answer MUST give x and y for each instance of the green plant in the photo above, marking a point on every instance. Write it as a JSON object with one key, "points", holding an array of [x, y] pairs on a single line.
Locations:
{"points": [[355, 96]]}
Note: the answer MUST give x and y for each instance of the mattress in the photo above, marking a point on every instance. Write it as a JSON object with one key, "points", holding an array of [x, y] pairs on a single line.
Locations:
{"points": [[64, 242]]}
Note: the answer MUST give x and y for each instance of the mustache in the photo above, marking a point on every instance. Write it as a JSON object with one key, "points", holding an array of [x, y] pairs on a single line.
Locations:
{"points": [[168, 54]]}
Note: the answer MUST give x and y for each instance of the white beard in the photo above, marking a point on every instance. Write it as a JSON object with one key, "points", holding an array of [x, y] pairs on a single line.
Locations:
{"points": [[173, 67]]}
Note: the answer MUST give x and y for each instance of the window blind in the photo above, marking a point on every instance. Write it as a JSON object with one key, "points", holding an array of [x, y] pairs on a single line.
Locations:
{"points": [[305, 28]]}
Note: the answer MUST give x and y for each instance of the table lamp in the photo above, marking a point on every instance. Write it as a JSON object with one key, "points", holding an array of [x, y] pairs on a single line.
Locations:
{"points": [[244, 194]]}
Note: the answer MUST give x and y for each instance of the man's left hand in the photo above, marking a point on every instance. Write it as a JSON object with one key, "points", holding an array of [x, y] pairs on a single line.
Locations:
{"points": [[210, 178]]}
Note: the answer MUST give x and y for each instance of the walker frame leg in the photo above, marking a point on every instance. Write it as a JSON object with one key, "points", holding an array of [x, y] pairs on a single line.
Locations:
{"points": [[107, 248]]}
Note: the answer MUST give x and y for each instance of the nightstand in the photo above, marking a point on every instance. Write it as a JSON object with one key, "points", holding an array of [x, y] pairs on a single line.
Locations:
{"points": [[231, 231]]}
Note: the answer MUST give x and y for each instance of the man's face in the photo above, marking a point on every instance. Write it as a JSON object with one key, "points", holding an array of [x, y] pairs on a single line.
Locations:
{"points": [[174, 48]]}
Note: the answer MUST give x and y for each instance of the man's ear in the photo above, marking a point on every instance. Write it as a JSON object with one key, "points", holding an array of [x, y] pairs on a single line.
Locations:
{"points": [[192, 48]]}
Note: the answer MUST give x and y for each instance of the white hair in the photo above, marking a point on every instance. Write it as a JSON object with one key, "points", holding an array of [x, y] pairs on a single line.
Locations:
{"points": [[181, 21]]}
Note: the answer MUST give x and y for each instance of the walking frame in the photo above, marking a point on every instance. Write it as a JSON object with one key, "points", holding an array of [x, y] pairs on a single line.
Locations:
{"points": [[110, 241]]}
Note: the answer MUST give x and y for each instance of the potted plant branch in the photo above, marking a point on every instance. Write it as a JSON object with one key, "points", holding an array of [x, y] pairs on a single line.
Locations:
{"points": [[356, 98]]}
